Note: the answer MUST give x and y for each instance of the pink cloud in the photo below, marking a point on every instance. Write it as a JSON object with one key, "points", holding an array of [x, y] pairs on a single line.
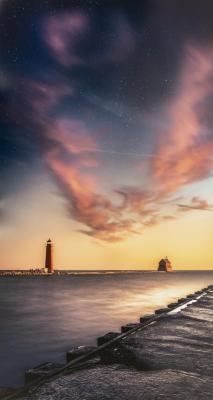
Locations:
{"points": [[37, 100], [79, 185], [43, 97], [137, 201], [103, 220], [73, 135], [69, 157], [196, 203], [184, 154], [62, 34], [186, 147]]}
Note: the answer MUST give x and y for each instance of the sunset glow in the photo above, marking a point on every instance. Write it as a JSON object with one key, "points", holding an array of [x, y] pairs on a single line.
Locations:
{"points": [[103, 138]]}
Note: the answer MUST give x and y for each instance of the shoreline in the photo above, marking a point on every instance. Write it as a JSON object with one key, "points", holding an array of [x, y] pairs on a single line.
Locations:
{"points": [[24, 273]]}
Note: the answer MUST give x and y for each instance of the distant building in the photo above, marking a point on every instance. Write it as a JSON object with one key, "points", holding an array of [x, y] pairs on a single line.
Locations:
{"points": [[49, 258], [165, 265]]}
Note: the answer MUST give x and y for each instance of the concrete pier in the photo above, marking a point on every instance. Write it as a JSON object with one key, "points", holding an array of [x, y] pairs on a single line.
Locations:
{"points": [[78, 351], [167, 355]]}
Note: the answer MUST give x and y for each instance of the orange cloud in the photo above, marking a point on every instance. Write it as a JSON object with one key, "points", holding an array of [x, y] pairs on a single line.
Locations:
{"points": [[196, 203]]}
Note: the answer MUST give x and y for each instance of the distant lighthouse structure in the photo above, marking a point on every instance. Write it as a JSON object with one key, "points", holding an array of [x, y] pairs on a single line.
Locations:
{"points": [[49, 257], [165, 265]]}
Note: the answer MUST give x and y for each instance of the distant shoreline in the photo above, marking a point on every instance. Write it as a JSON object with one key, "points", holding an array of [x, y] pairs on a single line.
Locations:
{"points": [[28, 273], [71, 272]]}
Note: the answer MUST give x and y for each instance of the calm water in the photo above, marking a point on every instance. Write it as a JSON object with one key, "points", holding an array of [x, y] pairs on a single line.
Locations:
{"points": [[41, 317]]}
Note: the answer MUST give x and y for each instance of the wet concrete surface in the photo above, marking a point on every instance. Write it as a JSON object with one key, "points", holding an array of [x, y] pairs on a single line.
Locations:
{"points": [[182, 342], [119, 383], [171, 359]]}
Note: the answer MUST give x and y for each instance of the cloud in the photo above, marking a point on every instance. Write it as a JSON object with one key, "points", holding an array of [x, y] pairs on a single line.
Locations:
{"points": [[104, 220], [91, 209], [62, 34], [183, 151], [136, 200], [65, 142], [65, 32], [196, 203], [183, 154], [43, 97], [73, 135], [187, 146]]}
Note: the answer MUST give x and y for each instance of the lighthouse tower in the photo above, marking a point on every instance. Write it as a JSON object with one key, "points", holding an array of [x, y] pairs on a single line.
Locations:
{"points": [[49, 257]]}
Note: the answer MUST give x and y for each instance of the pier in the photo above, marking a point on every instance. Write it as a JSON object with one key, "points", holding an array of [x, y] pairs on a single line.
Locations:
{"points": [[166, 355]]}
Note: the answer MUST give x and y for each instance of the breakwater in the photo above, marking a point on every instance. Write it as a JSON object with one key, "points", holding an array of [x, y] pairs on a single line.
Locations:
{"points": [[139, 346]]}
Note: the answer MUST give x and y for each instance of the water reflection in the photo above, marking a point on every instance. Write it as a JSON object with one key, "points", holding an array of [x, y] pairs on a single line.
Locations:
{"points": [[44, 317]]}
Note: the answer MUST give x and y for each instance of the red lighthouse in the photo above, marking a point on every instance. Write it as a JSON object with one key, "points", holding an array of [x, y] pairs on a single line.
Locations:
{"points": [[49, 257]]}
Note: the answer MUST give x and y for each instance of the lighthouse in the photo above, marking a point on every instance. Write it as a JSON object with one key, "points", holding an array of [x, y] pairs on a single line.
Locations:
{"points": [[49, 257], [165, 265]]}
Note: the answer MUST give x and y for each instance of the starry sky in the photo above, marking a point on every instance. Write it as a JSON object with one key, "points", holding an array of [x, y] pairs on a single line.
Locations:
{"points": [[105, 127]]}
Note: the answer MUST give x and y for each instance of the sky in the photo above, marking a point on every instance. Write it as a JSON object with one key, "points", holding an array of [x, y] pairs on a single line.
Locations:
{"points": [[105, 129]]}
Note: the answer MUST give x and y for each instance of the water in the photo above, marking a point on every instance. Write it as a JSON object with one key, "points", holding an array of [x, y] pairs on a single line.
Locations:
{"points": [[42, 317]]}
